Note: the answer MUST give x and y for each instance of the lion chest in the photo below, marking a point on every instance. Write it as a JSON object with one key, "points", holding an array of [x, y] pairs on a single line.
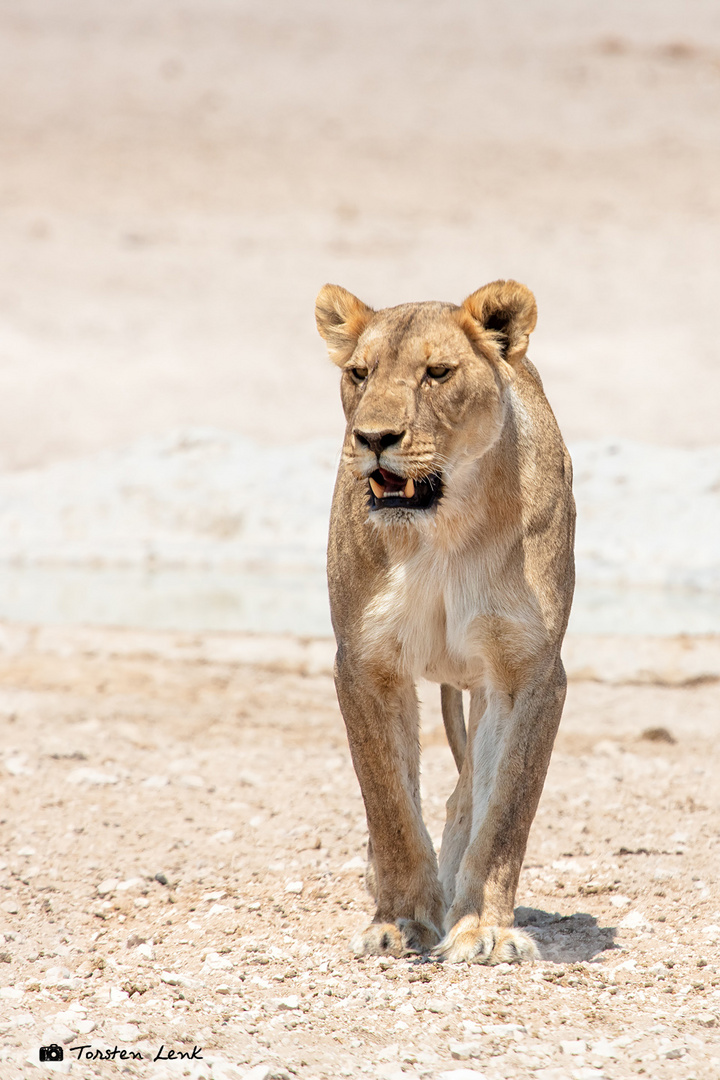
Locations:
{"points": [[427, 617], [466, 625]]}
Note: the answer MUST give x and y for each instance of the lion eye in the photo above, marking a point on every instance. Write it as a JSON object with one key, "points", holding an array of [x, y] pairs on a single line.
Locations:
{"points": [[358, 374], [438, 372]]}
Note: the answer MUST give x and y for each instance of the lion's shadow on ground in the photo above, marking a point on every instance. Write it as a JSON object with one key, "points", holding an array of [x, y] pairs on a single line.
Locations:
{"points": [[564, 939]]}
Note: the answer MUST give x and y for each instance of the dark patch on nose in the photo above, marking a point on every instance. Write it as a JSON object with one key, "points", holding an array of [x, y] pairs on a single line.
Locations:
{"points": [[377, 441]]}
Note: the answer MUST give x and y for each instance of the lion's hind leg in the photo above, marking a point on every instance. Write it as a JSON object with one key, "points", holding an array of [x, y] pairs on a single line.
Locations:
{"points": [[451, 704], [458, 823]]}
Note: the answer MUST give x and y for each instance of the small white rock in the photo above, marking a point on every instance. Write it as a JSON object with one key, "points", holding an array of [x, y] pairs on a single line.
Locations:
{"points": [[54, 975], [216, 909], [10, 906], [69, 1017], [117, 996], [291, 1002], [573, 1046], [126, 1032], [294, 887], [462, 1074], [109, 885], [501, 1029], [259, 1072], [223, 1070], [356, 863], [171, 978], [156, 781], [567, 866], [603, 1048], [86, 1026], [129, 883], [23, 1019], [141, 902], [215, 962], [58, 1033], [635, 920], [146, 951], [224, 836], [192, 781], [17, 765], [620, 901], [391, 1071], [92, 777], [438, 1005], [463, 1051]]}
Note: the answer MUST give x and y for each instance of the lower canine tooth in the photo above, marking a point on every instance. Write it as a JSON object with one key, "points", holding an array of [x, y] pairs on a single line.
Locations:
{"points": [[377, 489], [410, 488]]}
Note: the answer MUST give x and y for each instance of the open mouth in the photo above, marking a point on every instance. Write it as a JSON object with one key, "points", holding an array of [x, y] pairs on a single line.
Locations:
{"points": [[388, 490]]}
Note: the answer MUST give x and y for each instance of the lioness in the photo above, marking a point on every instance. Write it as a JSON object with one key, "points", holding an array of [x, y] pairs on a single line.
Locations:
{"points": [[450, 557]]}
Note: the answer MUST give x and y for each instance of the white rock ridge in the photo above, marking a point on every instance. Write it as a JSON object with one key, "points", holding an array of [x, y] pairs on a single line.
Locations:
{"points": [[164, 523]]}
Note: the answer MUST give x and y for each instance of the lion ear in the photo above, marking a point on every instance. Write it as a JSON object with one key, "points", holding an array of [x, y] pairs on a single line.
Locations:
{"points": [[341, 319], [499, 318]]}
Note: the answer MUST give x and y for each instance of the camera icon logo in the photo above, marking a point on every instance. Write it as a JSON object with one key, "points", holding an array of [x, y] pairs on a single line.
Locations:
{"points": [[53, 1052]]}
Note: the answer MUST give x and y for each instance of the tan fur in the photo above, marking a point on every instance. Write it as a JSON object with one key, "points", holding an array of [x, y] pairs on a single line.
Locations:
{"points": [[473, 593]]}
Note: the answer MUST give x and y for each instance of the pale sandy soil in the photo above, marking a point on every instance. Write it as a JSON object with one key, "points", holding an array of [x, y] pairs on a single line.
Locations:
{"points": [[178, 179], [182, 853]]}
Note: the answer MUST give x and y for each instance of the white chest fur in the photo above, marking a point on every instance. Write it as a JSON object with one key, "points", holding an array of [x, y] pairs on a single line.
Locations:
{"points": [[427, 612], [444, 615]]}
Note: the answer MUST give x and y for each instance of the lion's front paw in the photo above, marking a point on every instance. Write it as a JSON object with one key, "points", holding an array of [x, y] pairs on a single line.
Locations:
{"points": [[472, 942], [406, 936]]}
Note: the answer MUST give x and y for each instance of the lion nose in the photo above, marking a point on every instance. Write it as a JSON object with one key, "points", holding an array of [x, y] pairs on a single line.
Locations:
{"points": [[377, 441]]}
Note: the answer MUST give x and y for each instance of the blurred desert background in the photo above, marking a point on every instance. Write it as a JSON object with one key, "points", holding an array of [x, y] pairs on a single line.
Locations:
{"points": [[177, 180]]}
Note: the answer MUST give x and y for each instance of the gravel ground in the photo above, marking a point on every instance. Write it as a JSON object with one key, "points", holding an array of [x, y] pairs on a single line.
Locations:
{"points": [[181, 863]]}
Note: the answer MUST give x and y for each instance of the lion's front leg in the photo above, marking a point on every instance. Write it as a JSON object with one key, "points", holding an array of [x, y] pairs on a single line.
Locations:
{"points": [[381, 717], [510, 747]]}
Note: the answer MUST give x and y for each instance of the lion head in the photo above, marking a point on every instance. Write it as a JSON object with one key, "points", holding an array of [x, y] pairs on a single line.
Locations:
{"points": [[424, 389]]}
